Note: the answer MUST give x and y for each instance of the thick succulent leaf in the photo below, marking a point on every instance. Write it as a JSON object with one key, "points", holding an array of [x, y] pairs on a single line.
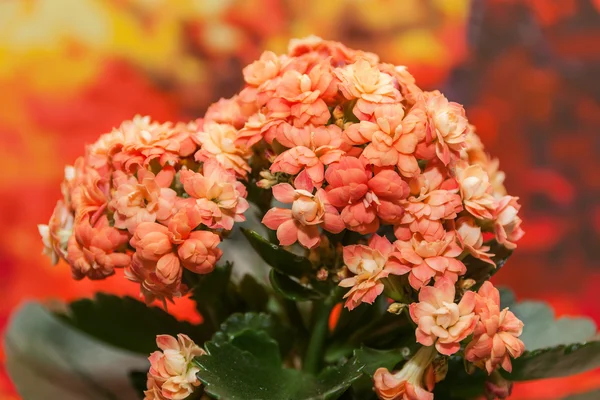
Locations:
{"points": [[127, 323], [556, 361], [282, 260], [238, 371], [373, 359], [593, 395], [291, 289], [541, 330], [49, 359]]}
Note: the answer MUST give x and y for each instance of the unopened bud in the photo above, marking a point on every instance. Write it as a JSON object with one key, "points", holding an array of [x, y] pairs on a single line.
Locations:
{"points": [[322, 274], [338, 112], [466, 284], [396, 308], [268, 180], [343, 273]]}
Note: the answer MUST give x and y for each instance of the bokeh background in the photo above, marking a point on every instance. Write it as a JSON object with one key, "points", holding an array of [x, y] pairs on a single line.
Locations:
{"points": [[528, 72]]}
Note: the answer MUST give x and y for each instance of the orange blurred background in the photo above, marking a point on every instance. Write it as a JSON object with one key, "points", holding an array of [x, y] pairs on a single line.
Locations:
{"points": [[528, 72]]}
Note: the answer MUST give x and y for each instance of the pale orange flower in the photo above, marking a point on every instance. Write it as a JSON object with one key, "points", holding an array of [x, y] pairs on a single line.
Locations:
{"points": [[474, 153], [172, 373], [146, 198], [434, 199], [414, 381], [387, 143], [311, 148], [218, 142], [264, 69], [216, 194], [365, 82], [507, 224], [56, 234], [95, 249], [363, 198], [431, 260], [475, 190], [471, 238], [229, 111], [144, 141], [496, 336], [369, 264], [309, 212], [440, 320]]}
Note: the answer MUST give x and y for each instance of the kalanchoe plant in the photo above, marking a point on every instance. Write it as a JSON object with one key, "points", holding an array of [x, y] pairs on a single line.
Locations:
{"points": [[385, 218]]}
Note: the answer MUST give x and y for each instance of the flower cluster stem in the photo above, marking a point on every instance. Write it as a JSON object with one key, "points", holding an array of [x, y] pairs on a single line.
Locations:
{"points": [[318, 335]]}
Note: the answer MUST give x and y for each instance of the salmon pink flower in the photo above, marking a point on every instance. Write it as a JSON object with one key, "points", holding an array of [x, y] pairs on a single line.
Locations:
{"points": [[144, 141], [387, 143], [427, 260], [172, 373], [444, 122], [414, 381], [507, 224], [96, 250], [328, 49], [146, 198], [496, 336], [440, 320], [471, 238], [218, 142], [155, 251], [199, 252], [264, 69], [365, 82], [56, 234], [311, 148], [369, 264], [434, 199], [475, 190], [364, 198], [216, 194], [253, 131], [229, 111], [309, 211]]}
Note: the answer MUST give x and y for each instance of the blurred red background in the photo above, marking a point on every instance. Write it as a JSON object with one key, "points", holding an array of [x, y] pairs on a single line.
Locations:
{"points": [[528, 72]]}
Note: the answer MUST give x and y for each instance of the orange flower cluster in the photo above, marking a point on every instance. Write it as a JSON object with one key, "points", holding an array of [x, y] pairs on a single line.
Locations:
{"points": [[151, 198]]}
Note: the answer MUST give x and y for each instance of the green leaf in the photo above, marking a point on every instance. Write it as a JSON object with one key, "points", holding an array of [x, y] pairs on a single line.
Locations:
{"points": [[239, 323], [541, 330], [47, 358], [291, 289], [232, 373], [481, 271], [556, 361], [373, 359], [127, 323], [282, 260], [593, 395]]}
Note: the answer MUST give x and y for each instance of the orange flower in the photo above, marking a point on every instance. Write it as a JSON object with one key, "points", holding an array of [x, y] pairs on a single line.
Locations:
{"points": [[218, 142], [308, 212], [475, 190], [414, 381], [216, 194], [471, 238], [369, 265], [507, 224], [172, 373], [427, 260], [440, 320], [96, 250], [143, 199], [56, 234], [495, 339]]}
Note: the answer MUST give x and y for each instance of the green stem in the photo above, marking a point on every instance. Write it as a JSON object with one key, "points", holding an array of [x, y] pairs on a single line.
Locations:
{"points": [[320, 328]]}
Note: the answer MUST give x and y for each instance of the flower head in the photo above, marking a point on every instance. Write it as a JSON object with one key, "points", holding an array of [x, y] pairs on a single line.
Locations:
{"points": [[218, 142], [414, 381], [440, 320], [56, 234], [308, 212], [507, 224], [369, 264], [172, 373], [496, 335]]}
